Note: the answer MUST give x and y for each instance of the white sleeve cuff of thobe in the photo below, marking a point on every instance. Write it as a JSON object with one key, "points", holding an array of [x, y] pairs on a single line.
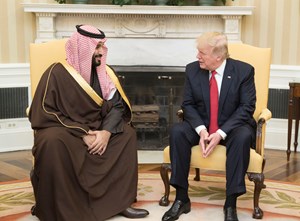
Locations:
{"points": [[111, 94]]}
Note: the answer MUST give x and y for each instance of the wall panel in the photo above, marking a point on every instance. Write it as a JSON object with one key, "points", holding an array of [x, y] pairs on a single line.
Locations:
{"points": [[3, 34], [12, 30]]}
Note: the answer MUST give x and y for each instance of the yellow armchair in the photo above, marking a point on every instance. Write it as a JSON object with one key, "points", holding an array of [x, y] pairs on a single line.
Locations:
{"points": [[260, 58], [41, 56]]}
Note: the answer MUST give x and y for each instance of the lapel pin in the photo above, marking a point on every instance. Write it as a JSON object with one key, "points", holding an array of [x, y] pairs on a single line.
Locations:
{"points": [[229, 77]]}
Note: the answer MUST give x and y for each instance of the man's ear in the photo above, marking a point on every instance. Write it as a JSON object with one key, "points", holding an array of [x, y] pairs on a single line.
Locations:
{"points": [[219, 58]]}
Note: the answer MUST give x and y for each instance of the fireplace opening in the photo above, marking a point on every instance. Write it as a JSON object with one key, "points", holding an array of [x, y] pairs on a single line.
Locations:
{"points": [[155, 94]]}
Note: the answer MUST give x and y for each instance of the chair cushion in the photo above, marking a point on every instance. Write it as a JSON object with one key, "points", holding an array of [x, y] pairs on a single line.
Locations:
{"points": [[217, 159]]}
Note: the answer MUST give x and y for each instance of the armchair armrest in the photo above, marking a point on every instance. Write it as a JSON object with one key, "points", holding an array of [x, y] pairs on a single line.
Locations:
{"points": [[180, 114], [260, 139], [27, 111], [265, 115]]}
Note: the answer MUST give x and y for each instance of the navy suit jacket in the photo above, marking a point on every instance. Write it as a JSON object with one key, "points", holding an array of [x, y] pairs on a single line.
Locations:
{"points": [[237, 97]]}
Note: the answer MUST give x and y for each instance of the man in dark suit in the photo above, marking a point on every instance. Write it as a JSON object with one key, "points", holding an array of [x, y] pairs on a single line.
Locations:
{"points": [[218, 106]]}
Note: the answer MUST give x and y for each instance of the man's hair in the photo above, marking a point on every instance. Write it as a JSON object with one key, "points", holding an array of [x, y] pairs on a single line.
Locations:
{"points": [[217, 41]]}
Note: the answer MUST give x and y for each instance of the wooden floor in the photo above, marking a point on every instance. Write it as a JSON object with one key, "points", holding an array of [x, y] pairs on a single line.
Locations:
{"points": [[17, 165]]}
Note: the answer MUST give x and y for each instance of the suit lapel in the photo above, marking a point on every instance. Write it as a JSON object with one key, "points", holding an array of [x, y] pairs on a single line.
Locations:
{"points": [[226, 83], [204, 82]]}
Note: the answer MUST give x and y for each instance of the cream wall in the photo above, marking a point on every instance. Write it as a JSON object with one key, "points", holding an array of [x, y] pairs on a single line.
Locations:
{"points": [[274, 23]]}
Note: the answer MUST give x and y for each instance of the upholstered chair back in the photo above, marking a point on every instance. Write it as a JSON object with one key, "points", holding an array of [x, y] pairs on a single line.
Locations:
{"points": [[42, 55]]}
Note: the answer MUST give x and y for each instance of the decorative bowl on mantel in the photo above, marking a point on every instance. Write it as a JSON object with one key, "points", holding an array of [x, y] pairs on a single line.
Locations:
{"points": [[72, 1], [147, 2], [212, 2]]}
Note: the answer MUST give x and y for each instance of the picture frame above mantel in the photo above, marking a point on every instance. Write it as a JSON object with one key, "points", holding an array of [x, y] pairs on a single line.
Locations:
{"points": [[56, 21]]}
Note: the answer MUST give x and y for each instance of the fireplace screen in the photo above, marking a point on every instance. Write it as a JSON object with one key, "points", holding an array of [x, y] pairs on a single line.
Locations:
{"points": [[155, 96]]}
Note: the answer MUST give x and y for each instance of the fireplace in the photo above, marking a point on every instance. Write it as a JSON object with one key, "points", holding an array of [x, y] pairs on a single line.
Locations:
{"points": [[155, 93], [149, 47]]}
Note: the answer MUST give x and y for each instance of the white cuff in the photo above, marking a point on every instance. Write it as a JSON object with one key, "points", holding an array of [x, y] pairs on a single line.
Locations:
{"points": [[199, 129]]}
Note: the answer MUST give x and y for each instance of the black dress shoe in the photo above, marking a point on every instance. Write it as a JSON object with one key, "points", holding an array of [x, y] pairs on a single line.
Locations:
{"points": [[32, 210], [176, 210], [133, 213], [230, 214]]}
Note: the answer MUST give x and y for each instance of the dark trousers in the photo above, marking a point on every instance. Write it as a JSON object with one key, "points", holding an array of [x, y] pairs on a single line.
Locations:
{"points": [[237, 142]]}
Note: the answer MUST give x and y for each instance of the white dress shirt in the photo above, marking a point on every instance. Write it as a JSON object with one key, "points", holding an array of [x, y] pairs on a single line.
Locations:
{"points": [[219, 78]]}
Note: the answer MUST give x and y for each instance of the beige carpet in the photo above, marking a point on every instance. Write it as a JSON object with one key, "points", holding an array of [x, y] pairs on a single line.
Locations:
{"points": [[279, 201]]}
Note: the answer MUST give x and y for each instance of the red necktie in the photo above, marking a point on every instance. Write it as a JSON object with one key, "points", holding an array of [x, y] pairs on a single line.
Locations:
{"points": [[214, 99]]}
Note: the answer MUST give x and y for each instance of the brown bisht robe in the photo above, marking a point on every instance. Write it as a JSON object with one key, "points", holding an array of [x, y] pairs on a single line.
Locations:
{"points": [[69, 183]]}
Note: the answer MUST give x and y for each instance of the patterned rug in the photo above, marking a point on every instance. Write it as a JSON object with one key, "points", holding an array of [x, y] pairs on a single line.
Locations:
{"points": [[279, 201]]}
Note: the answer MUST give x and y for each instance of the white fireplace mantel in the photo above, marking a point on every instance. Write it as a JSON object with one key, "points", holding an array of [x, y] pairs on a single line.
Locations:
{"points": [[159, 35], [58, 20]]}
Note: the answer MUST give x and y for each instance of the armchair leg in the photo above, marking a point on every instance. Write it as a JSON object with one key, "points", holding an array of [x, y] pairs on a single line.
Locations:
{"points": [[164, 173], [33, 179], [197, 176], [258, 179]]}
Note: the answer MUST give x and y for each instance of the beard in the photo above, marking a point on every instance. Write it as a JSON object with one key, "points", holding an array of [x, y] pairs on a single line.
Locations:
{"points": [[95, 62]]}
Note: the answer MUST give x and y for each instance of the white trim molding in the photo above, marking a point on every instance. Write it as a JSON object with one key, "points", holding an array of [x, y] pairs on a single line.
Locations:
{"points": [[282, 75], [14, 75], [15, 133]]}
